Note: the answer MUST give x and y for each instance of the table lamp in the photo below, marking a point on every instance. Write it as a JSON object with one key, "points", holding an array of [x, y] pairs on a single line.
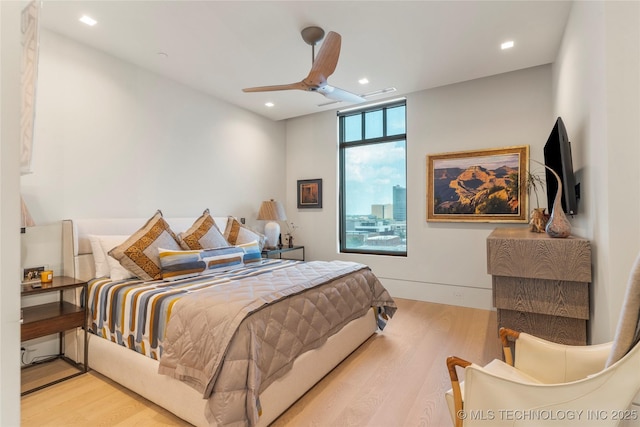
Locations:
{"points": [[271, 211]]}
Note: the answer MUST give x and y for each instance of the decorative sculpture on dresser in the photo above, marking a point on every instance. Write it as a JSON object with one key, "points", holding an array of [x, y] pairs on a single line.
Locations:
{"points": [[558, 224]]}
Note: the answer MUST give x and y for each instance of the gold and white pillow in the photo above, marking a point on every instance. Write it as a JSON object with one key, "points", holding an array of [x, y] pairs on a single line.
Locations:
{"points": [[203, 234], [237, 234], [139, 253]]}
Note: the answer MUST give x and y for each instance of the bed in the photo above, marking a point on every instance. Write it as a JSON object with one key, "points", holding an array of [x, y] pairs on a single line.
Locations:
{"points": [[205, 398]]}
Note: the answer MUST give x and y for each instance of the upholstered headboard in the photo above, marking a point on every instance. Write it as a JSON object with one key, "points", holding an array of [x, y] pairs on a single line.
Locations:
{"points": [[77, 258]]}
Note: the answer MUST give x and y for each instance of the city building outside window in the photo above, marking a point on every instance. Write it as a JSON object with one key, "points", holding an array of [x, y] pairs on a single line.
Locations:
{"points": [[373, 179]]}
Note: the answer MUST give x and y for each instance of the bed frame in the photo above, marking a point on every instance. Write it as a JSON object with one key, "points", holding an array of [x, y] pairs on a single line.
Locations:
{"points": [[139, 373]]}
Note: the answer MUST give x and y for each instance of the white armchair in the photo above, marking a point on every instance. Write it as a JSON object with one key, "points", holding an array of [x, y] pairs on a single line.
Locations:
{"points": [[553, 384]]}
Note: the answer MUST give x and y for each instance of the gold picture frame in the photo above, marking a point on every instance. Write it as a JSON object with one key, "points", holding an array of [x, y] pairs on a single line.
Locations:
{"points": [[478, 186]]}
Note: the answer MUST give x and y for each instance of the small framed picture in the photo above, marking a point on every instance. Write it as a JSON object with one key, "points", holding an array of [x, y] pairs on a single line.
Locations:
{"points": [[309, 193], [32, 274]]}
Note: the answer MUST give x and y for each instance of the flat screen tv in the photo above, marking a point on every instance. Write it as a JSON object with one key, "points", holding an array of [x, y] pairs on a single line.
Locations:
{"points": [[557, 156]]}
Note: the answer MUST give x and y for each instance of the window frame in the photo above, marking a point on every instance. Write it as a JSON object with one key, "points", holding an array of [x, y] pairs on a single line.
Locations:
{"points": [[342, 146]]}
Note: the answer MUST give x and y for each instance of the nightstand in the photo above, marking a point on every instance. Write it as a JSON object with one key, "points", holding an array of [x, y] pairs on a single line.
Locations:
{"points": [[277, 253], [55, 317]]}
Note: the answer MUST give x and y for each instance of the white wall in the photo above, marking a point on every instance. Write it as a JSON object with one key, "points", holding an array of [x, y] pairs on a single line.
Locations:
{"points": [[114, 140], [446, 262], [9, 213], [596, 80]]}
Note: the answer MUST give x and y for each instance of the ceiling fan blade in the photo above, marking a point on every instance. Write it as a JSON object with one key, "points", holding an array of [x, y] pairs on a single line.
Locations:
{"points": [[323, 66], [299, 85], [338, 94], [326, 61]]}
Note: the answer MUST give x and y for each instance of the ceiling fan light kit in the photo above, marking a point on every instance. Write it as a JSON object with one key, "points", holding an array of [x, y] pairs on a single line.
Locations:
{"points": [[323, 65]]}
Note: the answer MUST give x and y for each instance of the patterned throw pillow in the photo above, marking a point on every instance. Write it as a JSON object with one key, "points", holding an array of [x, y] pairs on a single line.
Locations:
{"points": [[237, 234], [182, 264], [252, 252], [139, 253], [203, 234]]}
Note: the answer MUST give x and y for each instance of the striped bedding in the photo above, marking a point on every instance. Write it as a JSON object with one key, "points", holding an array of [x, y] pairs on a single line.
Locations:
{"points": [[134, 313]]}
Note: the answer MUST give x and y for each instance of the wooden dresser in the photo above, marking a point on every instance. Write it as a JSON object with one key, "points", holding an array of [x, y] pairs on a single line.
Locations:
{"points": [[541, 284]]}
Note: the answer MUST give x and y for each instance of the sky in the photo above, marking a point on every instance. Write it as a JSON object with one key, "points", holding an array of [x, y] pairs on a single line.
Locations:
{"points": [[371, 173]]}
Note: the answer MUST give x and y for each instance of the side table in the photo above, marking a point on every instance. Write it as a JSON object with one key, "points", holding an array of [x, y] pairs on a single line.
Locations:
{"points": [[55, 317], [277, 253]]}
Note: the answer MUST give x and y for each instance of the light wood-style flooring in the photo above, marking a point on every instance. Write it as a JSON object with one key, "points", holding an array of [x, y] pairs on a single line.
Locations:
{"points": [[397, 378]]}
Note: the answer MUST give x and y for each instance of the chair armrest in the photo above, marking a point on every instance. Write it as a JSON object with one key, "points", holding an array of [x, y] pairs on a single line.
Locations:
{"points": [[505, 334], [553, 363], [452, 363]]}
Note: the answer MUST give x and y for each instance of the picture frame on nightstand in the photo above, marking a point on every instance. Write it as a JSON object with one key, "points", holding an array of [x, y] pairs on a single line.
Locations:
{"points": [[31, 275]]}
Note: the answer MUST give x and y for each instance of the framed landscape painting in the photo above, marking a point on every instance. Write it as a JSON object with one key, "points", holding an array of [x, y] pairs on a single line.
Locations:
{"points": [[478, 186]]}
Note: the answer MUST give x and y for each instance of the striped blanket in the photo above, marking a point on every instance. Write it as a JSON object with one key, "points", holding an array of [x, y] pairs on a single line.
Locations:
{"points": [[134, 313]]}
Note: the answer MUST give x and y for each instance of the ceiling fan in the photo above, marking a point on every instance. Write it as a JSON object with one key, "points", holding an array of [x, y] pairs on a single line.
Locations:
{"points": [[322, 67]]}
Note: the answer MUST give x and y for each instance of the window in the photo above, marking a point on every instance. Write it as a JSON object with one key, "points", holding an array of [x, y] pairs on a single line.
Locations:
{"points": [[373, 179]]}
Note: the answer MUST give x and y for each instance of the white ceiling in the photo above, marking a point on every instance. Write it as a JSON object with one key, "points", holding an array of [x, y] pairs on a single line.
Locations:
{"points": [[220, 47]]}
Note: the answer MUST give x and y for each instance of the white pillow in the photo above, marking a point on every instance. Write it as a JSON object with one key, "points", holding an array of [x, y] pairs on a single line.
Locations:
{"points": [[117, 271], [107, 266], [99, 257]]}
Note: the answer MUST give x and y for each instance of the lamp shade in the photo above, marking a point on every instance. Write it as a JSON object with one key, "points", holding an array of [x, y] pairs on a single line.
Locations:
{"points": [[271, 210]]}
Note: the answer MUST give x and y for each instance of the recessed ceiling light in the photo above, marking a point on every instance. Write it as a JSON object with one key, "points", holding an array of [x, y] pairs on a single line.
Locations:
{"points": [[269, 104], [88, 20], [507, 45], [363, 81]]}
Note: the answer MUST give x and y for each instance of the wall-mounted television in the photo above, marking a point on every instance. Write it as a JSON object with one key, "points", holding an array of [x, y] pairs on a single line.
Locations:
{"points": [[557, 156]]}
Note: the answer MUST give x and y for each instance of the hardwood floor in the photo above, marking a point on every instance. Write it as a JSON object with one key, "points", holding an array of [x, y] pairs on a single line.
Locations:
{"points": [[397, 378], [91, 400]]}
